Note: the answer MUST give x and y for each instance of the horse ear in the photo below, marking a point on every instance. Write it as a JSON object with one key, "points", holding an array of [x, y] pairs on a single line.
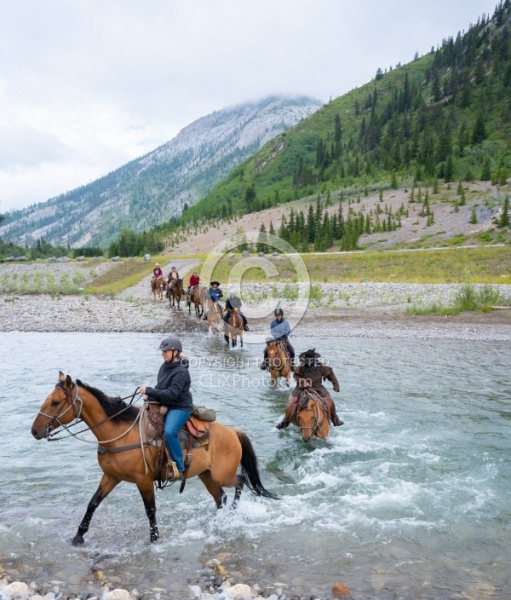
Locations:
{"points": [[68, 383], [62, 377]]}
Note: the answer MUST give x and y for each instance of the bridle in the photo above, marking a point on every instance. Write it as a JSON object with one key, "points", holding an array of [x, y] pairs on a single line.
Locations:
{"points": [[73, 405], [77, 417], [317, 423]]}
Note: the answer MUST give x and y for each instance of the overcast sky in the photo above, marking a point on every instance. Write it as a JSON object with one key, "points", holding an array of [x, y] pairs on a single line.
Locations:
{"points": [[87, 85]]}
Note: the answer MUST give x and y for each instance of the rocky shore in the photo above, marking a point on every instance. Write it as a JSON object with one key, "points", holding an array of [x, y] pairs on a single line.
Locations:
{"points": [[342, 310]]}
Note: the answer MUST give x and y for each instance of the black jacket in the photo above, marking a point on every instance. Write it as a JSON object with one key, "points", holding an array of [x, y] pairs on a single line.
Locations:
{"points": [[173, 386]]}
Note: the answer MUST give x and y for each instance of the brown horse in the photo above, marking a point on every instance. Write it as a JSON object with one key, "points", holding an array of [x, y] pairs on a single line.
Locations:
{"points": [[234, 328], [175, 292], [193, 296], [312, 415], [213, 313], [158, 286], [279, 363], [124, 457]]}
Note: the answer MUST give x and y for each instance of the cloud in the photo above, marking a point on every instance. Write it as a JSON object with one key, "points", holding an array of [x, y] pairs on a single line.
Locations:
{"points": [[95, 84]]}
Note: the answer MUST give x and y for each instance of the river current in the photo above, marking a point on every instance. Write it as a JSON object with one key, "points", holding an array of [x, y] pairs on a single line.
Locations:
{"points": [[410, 498]]}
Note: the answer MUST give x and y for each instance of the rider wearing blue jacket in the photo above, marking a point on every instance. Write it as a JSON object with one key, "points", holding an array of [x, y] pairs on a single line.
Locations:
{"points": [[280, 331]]}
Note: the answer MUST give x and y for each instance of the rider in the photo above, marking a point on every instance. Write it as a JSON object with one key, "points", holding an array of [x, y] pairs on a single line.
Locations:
{"points": [[157, 272], [215, 293], [310, 374], [230, 304], [280, 331], [173, 390], [173, 277], [194, 281]]}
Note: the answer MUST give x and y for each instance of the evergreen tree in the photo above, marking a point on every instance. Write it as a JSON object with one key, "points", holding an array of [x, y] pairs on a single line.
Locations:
{"points": [[504, 217], [473, 216]]}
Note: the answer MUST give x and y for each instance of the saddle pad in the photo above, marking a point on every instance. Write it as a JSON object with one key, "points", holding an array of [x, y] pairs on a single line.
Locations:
{"points": [[184, 440]]}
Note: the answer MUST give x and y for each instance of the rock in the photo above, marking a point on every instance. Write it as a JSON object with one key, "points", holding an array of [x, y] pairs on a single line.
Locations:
{"points": [[117, 594], [338, 589], [16, 588], [147, 257], [196, 591], [240, 590]]}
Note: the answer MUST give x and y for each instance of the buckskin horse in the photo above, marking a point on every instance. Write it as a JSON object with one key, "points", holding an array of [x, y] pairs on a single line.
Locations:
{"points": [[123, 455], [193, 296], [312, 415], [279, 363], [234, 328], [158, 286], [174, 292]]}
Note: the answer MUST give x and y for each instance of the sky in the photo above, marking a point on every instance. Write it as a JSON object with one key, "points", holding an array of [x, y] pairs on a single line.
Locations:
{"points": [[88, 85]]}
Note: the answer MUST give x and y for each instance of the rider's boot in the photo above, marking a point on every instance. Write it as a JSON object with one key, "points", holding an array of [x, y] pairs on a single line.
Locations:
{"points": [[283, 424], [245, 327], [336, 421]]}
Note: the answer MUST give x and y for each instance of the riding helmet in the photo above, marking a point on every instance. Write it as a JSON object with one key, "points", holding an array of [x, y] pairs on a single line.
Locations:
{"points": [[279, 311], [232, 293], [171, 343]]}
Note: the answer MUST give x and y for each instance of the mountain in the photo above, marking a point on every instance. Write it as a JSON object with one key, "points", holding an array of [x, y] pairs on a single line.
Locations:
{"points": [[162, 184], [444, 117]]}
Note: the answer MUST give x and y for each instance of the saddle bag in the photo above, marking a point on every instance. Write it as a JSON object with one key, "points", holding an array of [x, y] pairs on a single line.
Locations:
{"points": [[204, 414]]}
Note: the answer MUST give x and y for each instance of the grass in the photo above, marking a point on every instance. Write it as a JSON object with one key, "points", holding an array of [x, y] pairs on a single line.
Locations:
{"points": [[490, 265], [122, 275]]}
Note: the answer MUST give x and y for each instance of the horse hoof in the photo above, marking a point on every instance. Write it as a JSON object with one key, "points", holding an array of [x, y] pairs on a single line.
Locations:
{"points": [[77, 540]]}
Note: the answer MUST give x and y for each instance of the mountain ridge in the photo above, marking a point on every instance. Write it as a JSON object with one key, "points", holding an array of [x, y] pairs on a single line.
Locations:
{"points": [[162, 183]]}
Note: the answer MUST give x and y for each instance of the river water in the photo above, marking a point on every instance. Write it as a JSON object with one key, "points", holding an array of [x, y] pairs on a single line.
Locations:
{"points": [[410, 498]]}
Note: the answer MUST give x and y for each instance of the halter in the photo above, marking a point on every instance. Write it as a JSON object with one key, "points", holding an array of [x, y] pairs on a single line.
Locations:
{"points": [[72, 406]]}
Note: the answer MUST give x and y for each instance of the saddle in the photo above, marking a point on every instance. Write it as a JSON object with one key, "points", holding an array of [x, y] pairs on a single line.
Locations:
{"points": [[194, 434]]}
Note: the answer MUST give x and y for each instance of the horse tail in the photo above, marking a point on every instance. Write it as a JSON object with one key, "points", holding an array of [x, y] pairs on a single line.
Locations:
{"points": [[249, 468]]}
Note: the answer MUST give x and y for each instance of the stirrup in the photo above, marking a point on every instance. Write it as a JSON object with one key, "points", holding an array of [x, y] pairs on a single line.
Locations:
{"points": [[174, 474]]}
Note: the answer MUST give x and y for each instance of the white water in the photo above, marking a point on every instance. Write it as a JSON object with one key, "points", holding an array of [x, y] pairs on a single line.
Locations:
{"points": [[410, 497]]}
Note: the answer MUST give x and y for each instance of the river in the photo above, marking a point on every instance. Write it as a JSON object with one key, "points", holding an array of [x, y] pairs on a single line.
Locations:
{"points": [[411, 497]]}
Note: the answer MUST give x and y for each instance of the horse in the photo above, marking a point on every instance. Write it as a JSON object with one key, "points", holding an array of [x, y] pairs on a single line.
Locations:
{"points": [[174, 292], [193, 296], [234, 328], [279, 363], [213, 313], [124, 456], [312, 415], [158, 285]]}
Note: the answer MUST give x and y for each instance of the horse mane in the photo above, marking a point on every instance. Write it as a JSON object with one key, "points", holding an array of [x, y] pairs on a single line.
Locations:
{"points": [[116, 409]]}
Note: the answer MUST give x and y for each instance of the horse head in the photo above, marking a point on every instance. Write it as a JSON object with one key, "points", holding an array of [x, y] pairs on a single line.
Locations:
{"points": [[61, 407], [311, 416]]}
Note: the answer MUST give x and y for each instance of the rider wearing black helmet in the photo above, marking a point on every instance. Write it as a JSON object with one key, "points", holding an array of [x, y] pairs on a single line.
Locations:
{"points": [[173, 390], [280, 331]]}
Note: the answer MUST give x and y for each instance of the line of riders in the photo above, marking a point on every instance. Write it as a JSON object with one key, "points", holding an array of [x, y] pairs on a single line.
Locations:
{"points": [[173, 381], [173, 391]]}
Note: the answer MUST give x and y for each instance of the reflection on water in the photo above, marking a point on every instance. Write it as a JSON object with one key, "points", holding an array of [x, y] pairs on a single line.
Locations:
{"points": [[410, 495]]}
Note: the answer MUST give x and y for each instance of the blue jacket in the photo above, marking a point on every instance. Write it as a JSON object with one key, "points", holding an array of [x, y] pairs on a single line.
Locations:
{"points": [[173, 386], [280, 331], [215, 294]]}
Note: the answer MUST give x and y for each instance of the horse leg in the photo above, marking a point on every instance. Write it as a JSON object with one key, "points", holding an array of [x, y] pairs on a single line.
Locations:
{"points": [[240, 482], [226, 338], [106, 485], [214, 489], [147, 493]]}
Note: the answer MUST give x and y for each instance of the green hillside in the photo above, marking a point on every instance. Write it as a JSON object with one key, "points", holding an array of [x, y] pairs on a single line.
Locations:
{"points": [[443, 117]]}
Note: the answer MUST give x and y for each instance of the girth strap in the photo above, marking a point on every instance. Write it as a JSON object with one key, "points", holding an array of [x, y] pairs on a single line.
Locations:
{"points": [[102, 450]]}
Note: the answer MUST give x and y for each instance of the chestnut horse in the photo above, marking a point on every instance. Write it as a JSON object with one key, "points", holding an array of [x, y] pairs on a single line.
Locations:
{"points": [[124, 457], [279, 363], [312, 415], [193, 296], [158, 286], [234, 328], [174, 292]]}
